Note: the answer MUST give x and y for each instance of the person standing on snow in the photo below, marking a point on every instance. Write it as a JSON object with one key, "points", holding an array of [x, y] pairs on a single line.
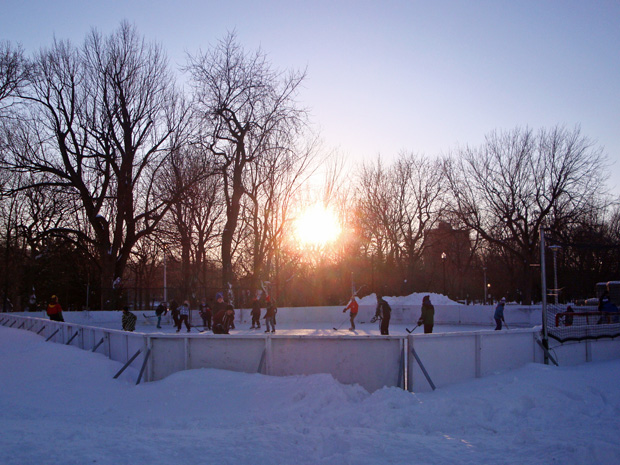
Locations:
{"points": [[205, 314], [54, 310], [499, 314], [128, 321], [354, 308], [174, 310], [256, 313], [184, 316], [383, 313], [159, 311], [270, 315], [427, 317]]}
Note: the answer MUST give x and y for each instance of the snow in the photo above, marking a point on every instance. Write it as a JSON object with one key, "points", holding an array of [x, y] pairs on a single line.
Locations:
{"points": [[412, 299], [61, 405]]}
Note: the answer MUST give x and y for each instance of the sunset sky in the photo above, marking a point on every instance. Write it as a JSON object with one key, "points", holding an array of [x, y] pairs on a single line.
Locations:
{"points": [[391, 76]]}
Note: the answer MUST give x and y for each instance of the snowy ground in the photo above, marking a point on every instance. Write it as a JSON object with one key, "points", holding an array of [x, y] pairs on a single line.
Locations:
{"points": [[60, 405]]}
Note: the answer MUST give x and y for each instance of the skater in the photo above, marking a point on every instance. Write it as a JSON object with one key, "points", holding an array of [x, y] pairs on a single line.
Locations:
{"points": [[54, 310], [221, 305], [383, 313], [205, 314], [568, 318], [184, 316], [128, 321], [159, 311], [256, 313], [270, 315], [499, 314], [354, 308], [427, 317], [174, 310], [222, 320]]}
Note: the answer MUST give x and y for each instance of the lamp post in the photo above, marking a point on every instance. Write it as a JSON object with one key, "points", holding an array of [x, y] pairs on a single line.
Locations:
{"points": [[165, 281], [443, 261], [556, 290], [484, 291]]}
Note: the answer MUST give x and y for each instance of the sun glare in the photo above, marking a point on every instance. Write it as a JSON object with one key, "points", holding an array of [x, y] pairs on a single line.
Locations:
{"points": [[317, 225]]}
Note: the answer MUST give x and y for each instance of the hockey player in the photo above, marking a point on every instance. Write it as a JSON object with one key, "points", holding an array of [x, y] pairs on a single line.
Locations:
{"points": [[383, 313], [354, 308], [223, 319], [427, 317], [128, 321], [256, 313], [499, 314], [270, 315], [159, 312], [184, 316], [54, 310]]}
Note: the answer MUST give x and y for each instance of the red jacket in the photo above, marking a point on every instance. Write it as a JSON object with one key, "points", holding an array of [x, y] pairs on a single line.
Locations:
{"points": [[354, 306], [53, 309]]}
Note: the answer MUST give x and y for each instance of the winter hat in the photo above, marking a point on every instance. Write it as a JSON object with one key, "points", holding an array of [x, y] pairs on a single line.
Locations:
{"points": [[219, 295], [503, 299]]}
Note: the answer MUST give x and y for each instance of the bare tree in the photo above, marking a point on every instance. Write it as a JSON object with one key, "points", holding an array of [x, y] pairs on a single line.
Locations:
{"points": [[194, 222], [518, 181], [101, 122], [13, 73], [248, 110]]}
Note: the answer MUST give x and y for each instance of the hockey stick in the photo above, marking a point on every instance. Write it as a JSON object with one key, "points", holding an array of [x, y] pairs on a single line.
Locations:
{"points": [[149, 316], [336, 329], [412, 330]]}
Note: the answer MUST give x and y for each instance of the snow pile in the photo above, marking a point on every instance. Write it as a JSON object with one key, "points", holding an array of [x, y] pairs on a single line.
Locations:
{"points": [[414, 299], [60, 405]]}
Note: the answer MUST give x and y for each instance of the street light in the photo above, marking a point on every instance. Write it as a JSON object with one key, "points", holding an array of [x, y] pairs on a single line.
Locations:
{"points": [[443, 261], [484, 291]]}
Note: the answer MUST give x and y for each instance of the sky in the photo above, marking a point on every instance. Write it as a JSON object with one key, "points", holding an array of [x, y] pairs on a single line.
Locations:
{"points": [[386, 77], [60, 404]]}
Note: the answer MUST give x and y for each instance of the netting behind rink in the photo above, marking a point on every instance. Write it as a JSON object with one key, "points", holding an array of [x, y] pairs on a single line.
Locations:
{"points": [[571, 323]]}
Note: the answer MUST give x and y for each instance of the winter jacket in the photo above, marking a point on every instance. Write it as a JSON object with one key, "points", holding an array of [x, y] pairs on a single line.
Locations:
{"points": [[353, 306], [54, 309], [271, 312], [256, 308], [160, 310], [205, 310], [384, 311], [184, 309], [427, 316], [129, 321], [222, 322], [499, 311]]}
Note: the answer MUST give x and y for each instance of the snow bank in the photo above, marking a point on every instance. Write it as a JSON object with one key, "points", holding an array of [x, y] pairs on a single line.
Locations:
{"points": [[413, 299]]}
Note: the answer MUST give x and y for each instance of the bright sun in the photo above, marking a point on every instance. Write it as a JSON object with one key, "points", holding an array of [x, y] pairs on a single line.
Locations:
{"points": [[317, 225]]}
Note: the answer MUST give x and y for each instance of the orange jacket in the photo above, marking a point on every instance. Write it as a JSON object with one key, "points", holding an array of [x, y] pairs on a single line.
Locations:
{"points": [[353, 306]]}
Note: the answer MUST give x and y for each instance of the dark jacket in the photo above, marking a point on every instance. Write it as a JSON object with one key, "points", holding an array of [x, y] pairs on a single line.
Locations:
{"points": [[271, 311], [499, 311], [129, 321], [427, 316], [222, 322], [384, 311], [160, 310], [256, 308]]}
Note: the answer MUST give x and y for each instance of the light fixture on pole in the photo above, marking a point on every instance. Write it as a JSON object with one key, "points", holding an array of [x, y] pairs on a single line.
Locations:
{"points": [[443, 261], [484, 291]]}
